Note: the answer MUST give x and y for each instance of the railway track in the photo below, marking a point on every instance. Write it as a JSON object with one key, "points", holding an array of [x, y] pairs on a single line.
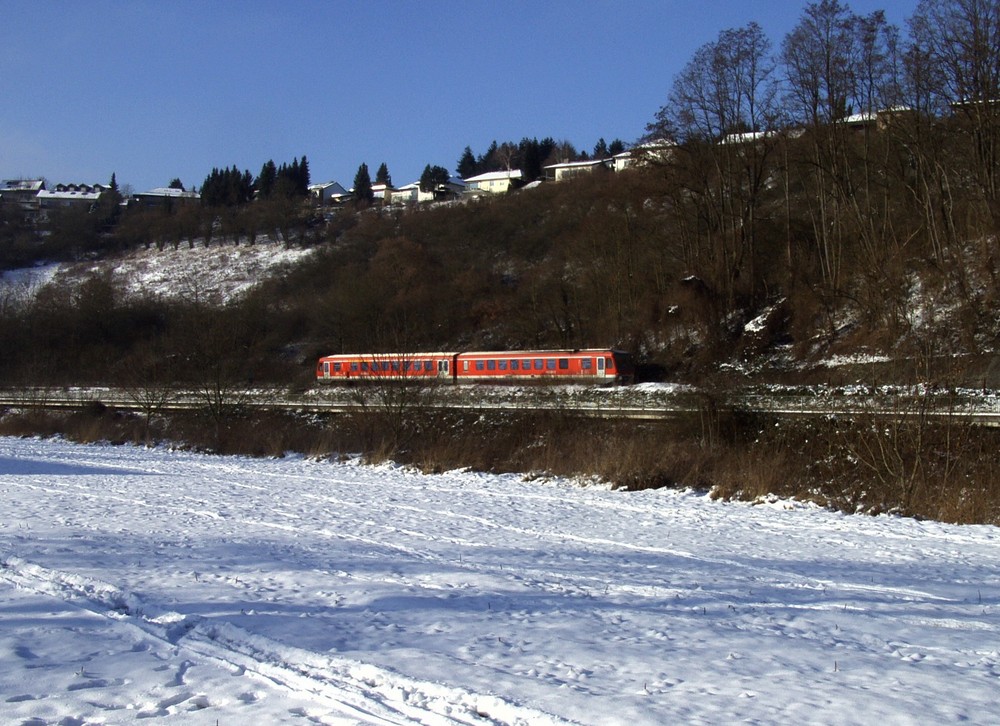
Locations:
{"points": [[635, 403]]}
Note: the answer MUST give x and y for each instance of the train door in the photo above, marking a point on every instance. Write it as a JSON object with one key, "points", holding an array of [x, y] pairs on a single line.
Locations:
{"points": [[443, 368], [600, 367]]}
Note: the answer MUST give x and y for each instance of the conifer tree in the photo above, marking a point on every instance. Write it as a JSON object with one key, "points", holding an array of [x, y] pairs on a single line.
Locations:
{"points": [[265, 181], [433, 177], [467, 164], [382, 175], [363, 193]]}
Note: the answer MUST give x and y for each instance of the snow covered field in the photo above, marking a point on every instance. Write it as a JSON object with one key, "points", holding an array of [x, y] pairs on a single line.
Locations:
{"points": [[152, 585]]}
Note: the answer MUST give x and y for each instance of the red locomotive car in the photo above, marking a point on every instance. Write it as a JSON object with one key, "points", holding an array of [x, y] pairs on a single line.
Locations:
{"points": [[602, 365]]}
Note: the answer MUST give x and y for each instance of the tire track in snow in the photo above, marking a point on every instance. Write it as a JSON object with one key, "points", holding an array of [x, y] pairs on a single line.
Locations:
{"points": [[371, 694]]}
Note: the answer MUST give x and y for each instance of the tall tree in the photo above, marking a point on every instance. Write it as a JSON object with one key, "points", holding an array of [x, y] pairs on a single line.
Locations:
{"points": [[433, 177], [363, 193], [957, 44], [467, 164], [382, 175], [723, 108], [266, 179]]}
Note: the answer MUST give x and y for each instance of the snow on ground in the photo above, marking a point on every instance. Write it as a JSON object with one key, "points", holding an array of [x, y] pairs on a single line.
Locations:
{"points": [[217, 273], [155, 585]]}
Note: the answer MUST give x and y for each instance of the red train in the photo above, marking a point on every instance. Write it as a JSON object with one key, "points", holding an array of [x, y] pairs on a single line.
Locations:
{"points": [[602, 365]]}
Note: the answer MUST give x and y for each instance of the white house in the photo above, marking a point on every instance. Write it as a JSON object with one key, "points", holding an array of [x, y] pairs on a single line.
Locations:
{"points": [[71, 195], [22, 193], [650, 152], [493, 182], [570, 169], [412, 193], [329, 193], [406, 194]]}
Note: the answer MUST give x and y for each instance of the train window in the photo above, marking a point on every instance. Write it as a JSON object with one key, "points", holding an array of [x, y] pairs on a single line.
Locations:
{"points": [[550, 364], [586, 364], [336, 367], [539, 364], [600, 364], [385, 365], [480, 365], [502, 365], [491, 365], [354, 367], [564, 364], [514, 365], [611, 363], [364, 365]]}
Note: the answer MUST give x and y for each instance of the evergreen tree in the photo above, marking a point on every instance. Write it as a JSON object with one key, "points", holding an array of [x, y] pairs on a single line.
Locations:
{"points": [[266, 180], [363, 193], [175, 183], [382, 175], [467, 166], [226, 188], [616, 147], [303, 180], [601, 149], [490, 160], [433, 177]]}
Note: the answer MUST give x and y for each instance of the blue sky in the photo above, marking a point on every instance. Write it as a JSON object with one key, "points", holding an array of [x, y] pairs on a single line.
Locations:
{"points": [[154, 90]]}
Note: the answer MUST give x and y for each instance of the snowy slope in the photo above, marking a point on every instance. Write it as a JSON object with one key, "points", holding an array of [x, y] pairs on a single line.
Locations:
{"points": [[217, 273], [147, 586]]}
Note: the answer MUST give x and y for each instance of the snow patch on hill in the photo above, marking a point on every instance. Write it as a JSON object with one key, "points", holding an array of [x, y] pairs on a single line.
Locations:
{"points": [[217, 273]]}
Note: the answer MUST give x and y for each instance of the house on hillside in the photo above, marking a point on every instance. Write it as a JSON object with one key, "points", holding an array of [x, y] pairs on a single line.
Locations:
{"points": [[63, 196], [493, 182], [166, 197], [654, 151], [621, 161], [22, 195], [382, 192], [571, 169], [412, 193], [406, 194], [328, 193]]}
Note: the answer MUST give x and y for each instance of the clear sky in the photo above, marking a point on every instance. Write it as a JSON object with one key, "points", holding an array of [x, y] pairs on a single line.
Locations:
{"points": [[153, 90]]}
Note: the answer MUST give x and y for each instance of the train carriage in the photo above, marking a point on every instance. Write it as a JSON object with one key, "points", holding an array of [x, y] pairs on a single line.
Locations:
{"points": [[598, 365], [386, 366], [588, 366]]}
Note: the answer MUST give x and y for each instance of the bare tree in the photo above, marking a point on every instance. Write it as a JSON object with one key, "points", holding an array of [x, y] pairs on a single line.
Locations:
{"points": [[956, 55], [723, 109]]}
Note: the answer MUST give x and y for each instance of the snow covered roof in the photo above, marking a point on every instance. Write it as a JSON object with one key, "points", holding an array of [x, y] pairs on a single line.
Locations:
{"points": [[576, 164], [68, 195], [494, 176], [23, 185], [170, 192]]}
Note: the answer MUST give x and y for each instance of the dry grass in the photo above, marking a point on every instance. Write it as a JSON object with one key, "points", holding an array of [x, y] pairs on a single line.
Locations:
{"points": [[944, 472]]}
